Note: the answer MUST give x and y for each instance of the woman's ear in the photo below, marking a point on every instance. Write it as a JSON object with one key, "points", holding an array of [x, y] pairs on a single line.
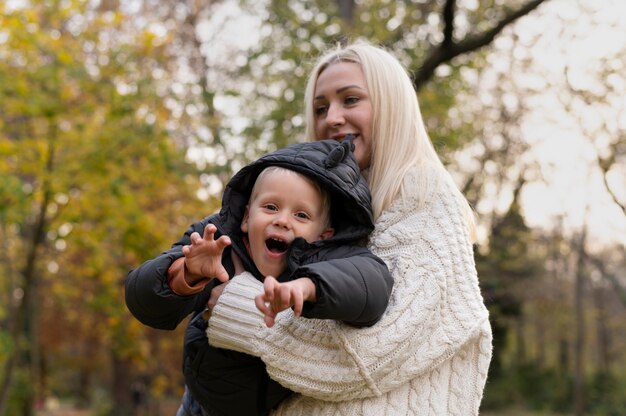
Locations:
{"points": [[327, 233], [244, 221]]}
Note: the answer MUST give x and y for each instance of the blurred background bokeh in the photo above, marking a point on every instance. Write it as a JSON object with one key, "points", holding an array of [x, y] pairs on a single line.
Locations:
{"points": [[120, 121]]}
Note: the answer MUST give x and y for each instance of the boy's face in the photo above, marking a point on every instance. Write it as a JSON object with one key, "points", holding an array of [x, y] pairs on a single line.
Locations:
{"points": [[283, 206]]}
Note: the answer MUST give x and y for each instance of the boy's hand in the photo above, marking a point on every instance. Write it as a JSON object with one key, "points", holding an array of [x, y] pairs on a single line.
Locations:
{"points": [[203, 258], [278, 297]]}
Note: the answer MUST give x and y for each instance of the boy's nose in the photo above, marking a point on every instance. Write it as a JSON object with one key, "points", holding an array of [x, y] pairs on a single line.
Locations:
{"points": [[282, 220]]}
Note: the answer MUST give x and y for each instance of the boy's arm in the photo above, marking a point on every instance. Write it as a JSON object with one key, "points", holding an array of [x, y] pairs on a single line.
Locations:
{"points": [[150, 298], [351, 285]]}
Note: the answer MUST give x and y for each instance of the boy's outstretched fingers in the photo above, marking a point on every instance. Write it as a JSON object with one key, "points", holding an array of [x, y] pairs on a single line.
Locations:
{"points": [[222, 276], [269, 320], [209, 231], [270, 285], [298, 302], [194, 238], [209, 235], [259, 301], [265, 309]]}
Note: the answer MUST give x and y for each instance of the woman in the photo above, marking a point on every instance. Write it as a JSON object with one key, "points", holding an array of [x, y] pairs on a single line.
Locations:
{"points": [[430, 352]]}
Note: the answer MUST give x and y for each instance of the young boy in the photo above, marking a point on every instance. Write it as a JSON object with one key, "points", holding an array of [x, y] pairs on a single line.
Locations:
{"points": [[283, 206], [275, 219]]}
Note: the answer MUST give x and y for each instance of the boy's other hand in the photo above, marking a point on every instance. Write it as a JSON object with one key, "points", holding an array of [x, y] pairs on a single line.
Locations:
{"points": [[278, 297]]}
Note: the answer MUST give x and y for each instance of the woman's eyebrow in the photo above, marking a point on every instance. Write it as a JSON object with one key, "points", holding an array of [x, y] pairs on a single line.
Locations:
{"points": [[340, 90]]}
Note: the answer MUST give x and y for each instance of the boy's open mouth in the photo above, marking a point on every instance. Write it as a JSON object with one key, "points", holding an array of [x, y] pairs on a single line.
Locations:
{"points": [[275, 245]]}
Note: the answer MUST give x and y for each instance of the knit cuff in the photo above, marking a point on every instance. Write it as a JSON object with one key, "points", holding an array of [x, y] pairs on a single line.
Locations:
{"points": [[179, 285], [235, 320], [176, 279]]}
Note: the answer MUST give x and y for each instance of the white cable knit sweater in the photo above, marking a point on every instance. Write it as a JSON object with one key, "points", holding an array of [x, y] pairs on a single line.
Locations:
{"points": [[428, 355]]}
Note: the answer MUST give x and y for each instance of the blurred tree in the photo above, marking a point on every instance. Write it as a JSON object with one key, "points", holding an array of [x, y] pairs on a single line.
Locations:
{"points": [[598, 100], [507, 267], [92, 184], [534, 345], [580, 327]]}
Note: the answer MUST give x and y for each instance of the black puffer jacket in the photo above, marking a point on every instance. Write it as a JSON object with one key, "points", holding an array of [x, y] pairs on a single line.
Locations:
{"points": [[352, 285]]}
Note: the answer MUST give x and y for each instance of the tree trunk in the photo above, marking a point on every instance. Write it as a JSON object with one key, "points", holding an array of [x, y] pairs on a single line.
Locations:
{"points": [[19, 327], [602, 331], [579, 344], [520, 342], [540, 338], [122, 394]]}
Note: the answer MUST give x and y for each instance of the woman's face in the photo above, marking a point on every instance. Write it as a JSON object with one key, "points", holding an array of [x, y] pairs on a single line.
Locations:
{"points": [[341, 106]]}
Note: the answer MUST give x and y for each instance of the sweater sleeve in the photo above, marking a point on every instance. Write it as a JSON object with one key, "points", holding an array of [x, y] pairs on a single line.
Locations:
{"points": [[435, 309]]}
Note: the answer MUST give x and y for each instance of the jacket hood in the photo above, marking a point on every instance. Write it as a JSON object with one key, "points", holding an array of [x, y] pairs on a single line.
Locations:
{"points": [[328, 162]]}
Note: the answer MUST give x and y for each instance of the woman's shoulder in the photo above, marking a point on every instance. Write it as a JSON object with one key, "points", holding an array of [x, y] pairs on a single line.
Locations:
{"points": [[429, 208], [420, 185], [426, 189]]}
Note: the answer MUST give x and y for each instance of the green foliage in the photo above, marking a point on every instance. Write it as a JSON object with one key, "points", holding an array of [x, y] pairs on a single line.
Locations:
{"points": [[533, 387], [21, 389], [84, 139], [6, 346], [606, 394], [541, 389]]}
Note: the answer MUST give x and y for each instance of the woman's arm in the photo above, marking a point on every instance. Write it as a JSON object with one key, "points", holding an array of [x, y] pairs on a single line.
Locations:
{"points": [[435, 309]]}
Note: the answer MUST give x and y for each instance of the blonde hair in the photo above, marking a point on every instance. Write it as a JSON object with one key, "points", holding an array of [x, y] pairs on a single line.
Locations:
{"points": [[324, 194], [400, 142]]}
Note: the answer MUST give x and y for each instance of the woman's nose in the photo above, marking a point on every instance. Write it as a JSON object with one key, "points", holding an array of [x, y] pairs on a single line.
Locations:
{"points": [[335, 116]]}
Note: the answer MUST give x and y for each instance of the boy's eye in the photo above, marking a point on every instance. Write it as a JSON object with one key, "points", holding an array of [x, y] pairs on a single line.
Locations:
{"points": [[302, 215], [270, 207]]}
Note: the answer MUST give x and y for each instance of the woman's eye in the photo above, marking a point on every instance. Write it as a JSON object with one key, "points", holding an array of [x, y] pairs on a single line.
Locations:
{"points": [[352, 100], [320, 110]]}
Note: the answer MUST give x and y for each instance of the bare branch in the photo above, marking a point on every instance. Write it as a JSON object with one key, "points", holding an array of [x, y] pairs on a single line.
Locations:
{"points": [[605, 167], [449, 49], [604, 163], [448, 22]]}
